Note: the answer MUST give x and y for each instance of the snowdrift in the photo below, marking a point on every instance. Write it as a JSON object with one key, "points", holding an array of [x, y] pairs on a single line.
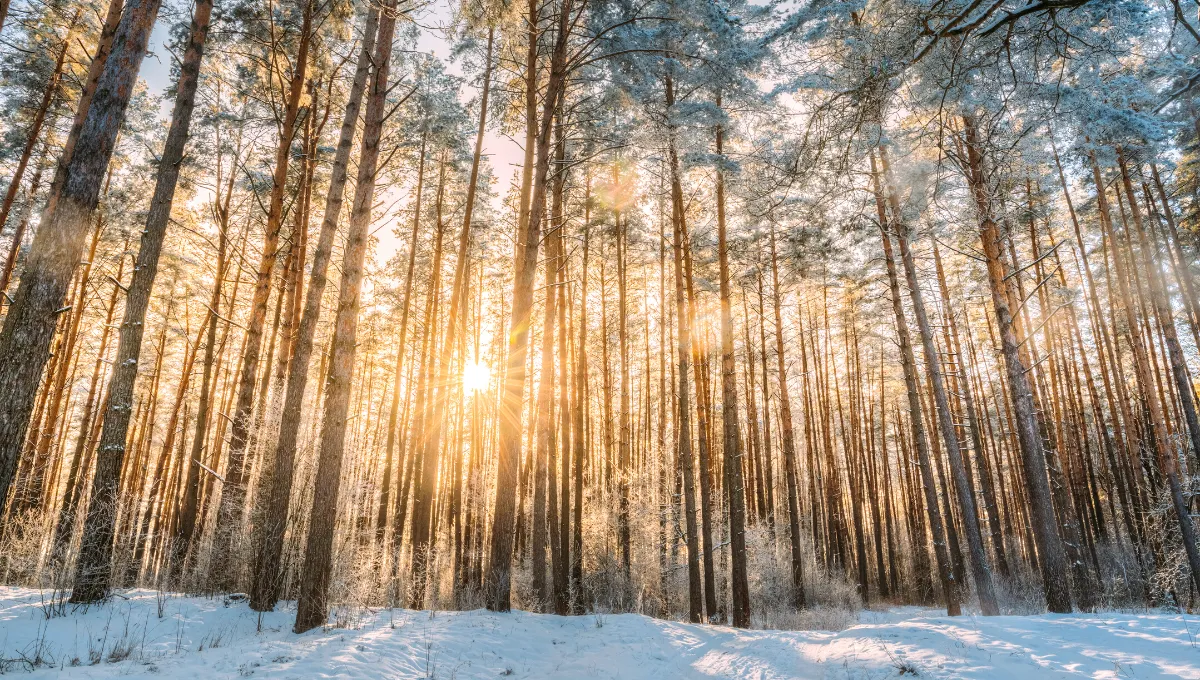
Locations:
{"points": [[142, 633]]}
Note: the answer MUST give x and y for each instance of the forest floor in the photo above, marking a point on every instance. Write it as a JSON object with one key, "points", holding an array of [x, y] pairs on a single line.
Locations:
{"points": [[144, 633]]}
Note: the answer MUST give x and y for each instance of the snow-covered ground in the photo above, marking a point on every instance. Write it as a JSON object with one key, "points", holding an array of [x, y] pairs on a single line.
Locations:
{"points": [[144, 634]]}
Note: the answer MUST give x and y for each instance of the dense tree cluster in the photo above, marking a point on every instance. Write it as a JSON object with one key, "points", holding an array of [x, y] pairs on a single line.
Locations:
{"points": [[787, 306]]}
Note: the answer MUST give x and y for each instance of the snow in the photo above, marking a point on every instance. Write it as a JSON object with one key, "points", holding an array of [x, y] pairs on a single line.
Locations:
{"points": [[214, 638]]}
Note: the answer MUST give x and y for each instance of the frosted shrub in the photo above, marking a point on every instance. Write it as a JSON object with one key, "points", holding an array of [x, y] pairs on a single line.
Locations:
{"points": [[833, 601]]}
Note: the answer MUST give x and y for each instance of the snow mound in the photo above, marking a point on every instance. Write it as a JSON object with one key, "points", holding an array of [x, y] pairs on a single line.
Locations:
{"points": [[143, 633]]}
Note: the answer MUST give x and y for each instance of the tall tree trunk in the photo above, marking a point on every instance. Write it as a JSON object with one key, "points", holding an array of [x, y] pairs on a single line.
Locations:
{"points": [[1162, 310], [157, 488], [459, 286], [427, 457], [93, 569], [704, 456], [311, 610], [787, 439], [186, 519], [85, 440], [96, 68], [1056, 582], [1126, 436], [683, 416], [393, 437], [233, 492], [579, 441], [1167, 460], [190, 504], [561, 533], [624, 434], [42, 438], [422, 402], [980, 567], [18, 238], [961, 383], [1070, 521], [498, 585], [35, 126], [264, 592], [950, 586], [1180, 263], [545, 422], [59, 243]]}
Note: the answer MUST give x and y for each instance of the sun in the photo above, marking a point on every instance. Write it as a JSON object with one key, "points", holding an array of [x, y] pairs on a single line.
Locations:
{"points": [[476, 377]]}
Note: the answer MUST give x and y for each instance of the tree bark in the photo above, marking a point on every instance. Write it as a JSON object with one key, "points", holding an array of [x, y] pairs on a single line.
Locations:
{"points": [[190, 504], [427, 457], [93, 570], [1167, 461], [624, 426], [233, 493], [35, 126], [704, 457], [950, 586], [1051, 555], [787, 439], [264, 591], [980, 566], [561, 516], [579, 440], [29, 326], [311, 610], [84, 443], [498, 584], [683, 357]]}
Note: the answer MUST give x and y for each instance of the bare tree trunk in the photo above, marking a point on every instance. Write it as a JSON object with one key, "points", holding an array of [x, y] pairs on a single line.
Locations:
{"points": [[85, 440], [93, 570], [950, 587], [427, 457], [189, 506], [1180, 262], [787, 440], [754, 438], [699, 369], [1167, 460], [404, 471], [4, 4], [1056, 581], [233, 493], [961, 383], [264, 591], [624, 434], [58, 246], [157, 488], [1070, 520], [422, 402], [683, 356], [980, 567], [18, 238], [561, 533], [311, 609], [461, 279], [96, 68], [42, 437], [1162, 310], [579, 442], [498, 584], [544, 424], [35, 126]]}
